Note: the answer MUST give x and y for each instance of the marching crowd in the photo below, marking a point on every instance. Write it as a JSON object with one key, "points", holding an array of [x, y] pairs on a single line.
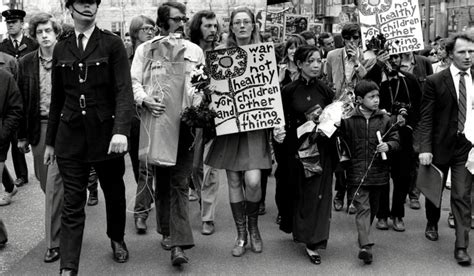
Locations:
{"points": [[74, 96]]}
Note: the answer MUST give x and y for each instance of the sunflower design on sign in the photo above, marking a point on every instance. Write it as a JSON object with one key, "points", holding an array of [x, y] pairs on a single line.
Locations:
{"points": [[227, 64], [372, 7]]}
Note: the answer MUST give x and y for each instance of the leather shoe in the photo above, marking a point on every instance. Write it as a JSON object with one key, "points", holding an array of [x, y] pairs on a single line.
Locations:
{"points": [[166, 242], [51, 255], [365, 254], [382, 224], [351, 209], [120, 251], [314, 257], [338, 204], [261, 209], [20, 182], [461, 256], [414, 204], [68, 272], [398, 224], [140, 225], [93, 199], [451, 223], [431, 232], [207, 228], [177, 256], [3, 243]]}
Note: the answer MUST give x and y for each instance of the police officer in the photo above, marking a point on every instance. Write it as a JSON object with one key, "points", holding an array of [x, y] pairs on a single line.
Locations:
{"points": [[17, 44], [89, 123]]}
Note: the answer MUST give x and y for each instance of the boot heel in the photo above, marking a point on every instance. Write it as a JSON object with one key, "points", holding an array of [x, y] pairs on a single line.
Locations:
{"points": [[256, 244]]}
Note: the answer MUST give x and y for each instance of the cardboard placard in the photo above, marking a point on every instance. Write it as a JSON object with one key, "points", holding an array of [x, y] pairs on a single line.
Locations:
{"points": [[398, 20], [295, 24], [247, 88]]}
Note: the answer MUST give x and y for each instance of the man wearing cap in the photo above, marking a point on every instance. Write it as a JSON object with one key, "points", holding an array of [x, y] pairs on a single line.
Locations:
{"points": [[17, 45], [89, 123]]}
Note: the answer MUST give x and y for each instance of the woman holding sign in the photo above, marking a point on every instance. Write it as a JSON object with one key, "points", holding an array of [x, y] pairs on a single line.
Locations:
{"points": [[243, 155], [303, 100]]}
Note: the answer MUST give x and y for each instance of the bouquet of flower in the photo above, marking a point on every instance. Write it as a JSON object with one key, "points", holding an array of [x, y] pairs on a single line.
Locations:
{"points": [[332, 114], [200, 116]]}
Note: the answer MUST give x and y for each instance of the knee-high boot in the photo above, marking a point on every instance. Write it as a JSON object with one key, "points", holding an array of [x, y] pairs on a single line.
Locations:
{"points": [[238, 212], [256, 243]]}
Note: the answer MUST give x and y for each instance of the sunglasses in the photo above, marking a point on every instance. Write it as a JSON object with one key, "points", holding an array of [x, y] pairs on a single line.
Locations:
{"points": [[348, 37], [147, 29], [178, 19]]}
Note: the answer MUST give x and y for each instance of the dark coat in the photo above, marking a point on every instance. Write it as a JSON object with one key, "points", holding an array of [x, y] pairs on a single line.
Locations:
{"points": [[28, 83], [10, 110], [101, 78], [438, 126], [360, 135], [27, 45], [9, 64]]}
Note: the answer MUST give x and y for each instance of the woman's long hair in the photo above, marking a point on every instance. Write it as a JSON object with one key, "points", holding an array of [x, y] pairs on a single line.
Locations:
{"points": [[296, 40], [255, 36]]}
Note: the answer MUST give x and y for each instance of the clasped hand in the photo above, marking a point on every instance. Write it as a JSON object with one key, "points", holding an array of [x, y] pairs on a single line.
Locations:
{"points": [[154, 105], [382, 147]]}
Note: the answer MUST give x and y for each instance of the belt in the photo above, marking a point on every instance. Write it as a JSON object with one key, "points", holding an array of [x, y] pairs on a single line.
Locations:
{"points": [[44, 117]]}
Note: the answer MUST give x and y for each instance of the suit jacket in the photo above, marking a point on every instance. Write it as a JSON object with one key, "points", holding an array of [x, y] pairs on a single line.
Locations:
{"points": [[28, 83], [437, 129], [91, 97], [335, 69], [27, 45]]}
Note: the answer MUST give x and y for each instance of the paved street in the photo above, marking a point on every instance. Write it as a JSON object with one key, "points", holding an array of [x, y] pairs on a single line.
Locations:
{"points": [[394, 253]]}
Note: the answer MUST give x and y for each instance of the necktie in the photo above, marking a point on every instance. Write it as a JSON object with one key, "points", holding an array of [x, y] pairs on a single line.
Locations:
{"points": [[15, 42], [80, 45], [462, 102]]}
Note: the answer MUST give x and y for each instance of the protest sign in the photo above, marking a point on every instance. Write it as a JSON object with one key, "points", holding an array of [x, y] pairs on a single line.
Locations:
{"points": [[398, 20], [295, 24], [247, 90]]}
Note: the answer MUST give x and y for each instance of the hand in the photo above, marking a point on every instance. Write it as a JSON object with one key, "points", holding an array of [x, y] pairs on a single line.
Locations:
{"points": [[352, 52], [154, 105], [49, 156], [382, 147], [23, 146], [118, 144], [383, 56], [279, 134], [401, 120], [425, 158]]}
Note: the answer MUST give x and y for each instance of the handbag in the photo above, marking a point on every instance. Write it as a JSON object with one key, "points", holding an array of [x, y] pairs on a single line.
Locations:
{"points": [[308, 154]]}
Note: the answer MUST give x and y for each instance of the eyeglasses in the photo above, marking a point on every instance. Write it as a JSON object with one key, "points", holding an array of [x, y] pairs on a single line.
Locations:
{"points": [[148, 29], [432, 54], [239, 22], [348, 37], [178, 19]]}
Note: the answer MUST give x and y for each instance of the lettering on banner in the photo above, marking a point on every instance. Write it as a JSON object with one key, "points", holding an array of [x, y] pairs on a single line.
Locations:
{"points": [[247, 88], [398, 20]]}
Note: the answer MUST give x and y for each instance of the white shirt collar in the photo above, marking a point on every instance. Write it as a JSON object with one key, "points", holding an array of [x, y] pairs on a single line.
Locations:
{"points": [[455, 71], [87, 33], [19, 39]]}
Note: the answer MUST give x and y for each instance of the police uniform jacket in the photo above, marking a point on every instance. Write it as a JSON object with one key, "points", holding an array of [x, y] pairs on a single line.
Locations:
{"points": [[91, 97], [27, 45]]}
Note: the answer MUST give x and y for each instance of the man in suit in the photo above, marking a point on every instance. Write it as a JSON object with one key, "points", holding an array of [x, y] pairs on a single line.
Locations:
{"points": [[34, 83], [17, 45], [445, 134], [89, 122]]}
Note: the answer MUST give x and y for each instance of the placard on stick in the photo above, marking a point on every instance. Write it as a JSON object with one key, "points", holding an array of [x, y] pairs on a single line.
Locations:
{"points": [[247, 88], [398, 20]]}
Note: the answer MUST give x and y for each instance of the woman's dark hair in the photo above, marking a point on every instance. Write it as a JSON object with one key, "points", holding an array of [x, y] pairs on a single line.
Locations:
{"points": [[255, 37], [135, 26], [322, 37], [304, 52], [43, 18], [294, 39], [163, 13], [194, 29], [307, 35], [365, 86]]}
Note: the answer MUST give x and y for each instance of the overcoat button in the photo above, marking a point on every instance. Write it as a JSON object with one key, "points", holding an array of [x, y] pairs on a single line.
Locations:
{"points": [[97, 64], [83, 112]]}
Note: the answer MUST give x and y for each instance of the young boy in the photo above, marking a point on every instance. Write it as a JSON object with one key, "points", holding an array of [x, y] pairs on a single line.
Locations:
{"points": [[367, 171]]}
